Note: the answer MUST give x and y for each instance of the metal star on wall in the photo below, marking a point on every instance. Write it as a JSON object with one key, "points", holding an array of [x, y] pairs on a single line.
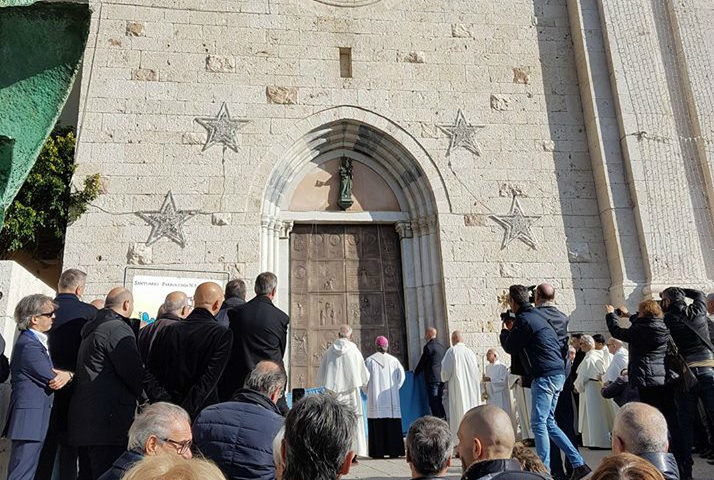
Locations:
{"points": [[461, 134], [167, 222], [517, 225], [221, 129]]}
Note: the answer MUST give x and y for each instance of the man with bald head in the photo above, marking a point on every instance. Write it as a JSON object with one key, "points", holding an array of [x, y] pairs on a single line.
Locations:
{"points": [[188, 357], [459, 369], [176, 307], [641, 430], [486, 441], [108, 382], [430, 364]]}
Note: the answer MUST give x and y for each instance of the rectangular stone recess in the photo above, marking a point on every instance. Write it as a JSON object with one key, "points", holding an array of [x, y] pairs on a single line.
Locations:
{"points": [[346, 62], [343, 274]]}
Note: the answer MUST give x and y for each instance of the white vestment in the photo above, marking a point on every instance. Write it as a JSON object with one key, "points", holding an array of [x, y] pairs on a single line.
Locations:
{"points": [[617, 365], [386, 377], [524, 403], [595, 413], [343, 372], [497, 389], [459, 368]]}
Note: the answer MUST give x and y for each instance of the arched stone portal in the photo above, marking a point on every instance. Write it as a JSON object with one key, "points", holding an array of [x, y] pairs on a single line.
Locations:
{"points": [[379, 146]]}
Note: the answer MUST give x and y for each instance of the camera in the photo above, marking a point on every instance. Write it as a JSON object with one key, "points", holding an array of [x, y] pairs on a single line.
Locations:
{"points": [[531, 297], [508, 316], [618, 312]]}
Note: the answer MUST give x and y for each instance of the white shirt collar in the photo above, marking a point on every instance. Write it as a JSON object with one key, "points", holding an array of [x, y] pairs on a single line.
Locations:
{"points": [[41, 337]]}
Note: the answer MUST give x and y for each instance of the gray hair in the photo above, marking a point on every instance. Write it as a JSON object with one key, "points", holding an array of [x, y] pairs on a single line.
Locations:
{"points": [[319, 430], [642, 428], [157, 419], [277, 442], [31, 306], [588, 339], [429, 445], [267, 377], [174, 305], [345, 331], [71, 279], [265, 283], [235, 289]]}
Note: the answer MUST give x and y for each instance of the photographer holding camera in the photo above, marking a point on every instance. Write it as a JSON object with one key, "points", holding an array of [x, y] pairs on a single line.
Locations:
{"points": [[534, 341]]}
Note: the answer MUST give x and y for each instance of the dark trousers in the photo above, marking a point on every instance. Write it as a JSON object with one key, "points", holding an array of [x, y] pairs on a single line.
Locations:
{"points": [[688, 411], [97, 459], [565, 419], [23, 460], [663, 399], [54, 441], [435, 392]]}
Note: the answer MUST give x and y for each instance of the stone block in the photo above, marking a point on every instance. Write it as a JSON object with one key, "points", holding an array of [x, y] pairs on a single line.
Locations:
{"points": [[500, 103], [282, 95], [221, 219], [461, 30], [144, 75], [522, 75], [135, 29], [411, 57], [220, 64], [139, 254], [475, 220]]}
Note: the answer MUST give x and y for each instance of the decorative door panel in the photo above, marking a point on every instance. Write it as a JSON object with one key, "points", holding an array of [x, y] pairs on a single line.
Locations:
{"points": [[343, 274]]}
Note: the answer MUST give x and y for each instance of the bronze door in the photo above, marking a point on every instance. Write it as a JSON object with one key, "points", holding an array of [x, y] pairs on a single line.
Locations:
{"points": [[343, 274]]}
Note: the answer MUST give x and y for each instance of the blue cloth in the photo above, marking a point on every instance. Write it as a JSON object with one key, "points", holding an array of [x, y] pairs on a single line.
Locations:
{"points": [[23, 460], [121, 465], [545, 392]]}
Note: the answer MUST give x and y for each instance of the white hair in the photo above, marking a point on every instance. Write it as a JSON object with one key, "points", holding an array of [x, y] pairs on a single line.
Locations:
{"points": [[587, 339], [157, 419]]}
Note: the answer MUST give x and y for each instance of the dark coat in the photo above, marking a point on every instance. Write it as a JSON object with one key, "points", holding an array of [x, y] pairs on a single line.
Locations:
{"points": [[664, 462], [681, 319], [559, 321], [260, 333], [228, 304], [31, 397], [148, 334], [65, 336], [188, 358], [621, 391], [107, 381], [535, 342], [121, 465], [238, 435], [4, 362], [489, 468], [430, 361], [647, 338]]}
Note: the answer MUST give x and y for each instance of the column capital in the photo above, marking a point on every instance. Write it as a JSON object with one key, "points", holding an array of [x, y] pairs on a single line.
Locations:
{"points": [[285, 228], [404, 229]]}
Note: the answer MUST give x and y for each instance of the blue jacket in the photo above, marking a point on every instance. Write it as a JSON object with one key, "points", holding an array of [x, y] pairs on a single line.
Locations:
{"points": [[535, 342], [121, 465], [31, 397], [238, 435]]}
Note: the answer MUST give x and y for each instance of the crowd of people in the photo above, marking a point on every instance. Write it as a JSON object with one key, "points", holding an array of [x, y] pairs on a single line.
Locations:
{"points": [[97, 395]]}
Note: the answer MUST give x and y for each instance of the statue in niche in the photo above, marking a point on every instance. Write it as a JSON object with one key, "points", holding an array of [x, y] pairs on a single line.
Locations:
{"points": [[345, 200], [327, 313]]}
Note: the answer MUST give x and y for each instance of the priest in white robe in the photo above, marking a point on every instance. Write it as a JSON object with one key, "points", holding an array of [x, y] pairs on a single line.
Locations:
{"points": [[343, 372], [620, 359], [459, 370], [523, 403], [496, 380], [595, 414], [384, 414], [600, 346]]}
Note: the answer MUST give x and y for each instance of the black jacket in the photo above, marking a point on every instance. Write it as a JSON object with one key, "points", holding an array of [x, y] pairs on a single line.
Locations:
{"points": [[535, 342], [509, 470], [681, 319], [228, 304], [107, 382], [188, 358], [260, 333], [430, 361], [148, 334], [647, 338], [559, 321], [664, 462], [127, 460], [238, 435], [621, 391]]}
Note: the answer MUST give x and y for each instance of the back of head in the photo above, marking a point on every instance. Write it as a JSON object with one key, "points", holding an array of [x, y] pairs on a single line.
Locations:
{"points": [[529, 460], [429, 446], [345, 331], [587, 340], [236, 289], [173, 467], [641, 428], [265, 283], [599, 338], [546, 292], [519, 295], [117, 299], [493, 429], [71, 280], [318, 437], [157, 419], [673, 294], [626, 466], [174, 302], [267, 377], [456, 337], [209, 295], [650, 308]]}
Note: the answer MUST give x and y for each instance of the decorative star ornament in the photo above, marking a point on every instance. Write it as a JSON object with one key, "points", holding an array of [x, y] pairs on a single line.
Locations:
{"points": [[461, 134], [167, 222], [517, 225], [221, 129]]}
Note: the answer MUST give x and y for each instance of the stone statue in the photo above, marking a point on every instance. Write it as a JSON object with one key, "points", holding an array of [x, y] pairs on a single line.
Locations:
{"points": [[345, 201]]}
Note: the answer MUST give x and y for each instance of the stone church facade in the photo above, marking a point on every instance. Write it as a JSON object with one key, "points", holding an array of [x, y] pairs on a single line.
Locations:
{"points": [[490, 143]]}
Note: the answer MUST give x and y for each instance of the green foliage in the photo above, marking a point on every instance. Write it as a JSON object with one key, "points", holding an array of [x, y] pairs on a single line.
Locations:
{"points": [[38, 217]]}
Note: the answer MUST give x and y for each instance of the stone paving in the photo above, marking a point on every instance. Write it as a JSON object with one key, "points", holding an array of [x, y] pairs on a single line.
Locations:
{"points": [[368, 469]]}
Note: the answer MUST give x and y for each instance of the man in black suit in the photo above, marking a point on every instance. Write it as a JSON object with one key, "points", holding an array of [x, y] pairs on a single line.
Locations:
{"points": [[235, 297], [430, 364], [188, 357], [259, 332], [176, 307], [64, 339]]}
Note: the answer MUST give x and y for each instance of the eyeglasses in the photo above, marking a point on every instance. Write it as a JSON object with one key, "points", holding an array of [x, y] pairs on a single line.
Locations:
{"points": [[48, 315], [181, 447]]}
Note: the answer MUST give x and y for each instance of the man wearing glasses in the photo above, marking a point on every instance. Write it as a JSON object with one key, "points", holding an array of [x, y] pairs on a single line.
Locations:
{"points": [[160, 429]]}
